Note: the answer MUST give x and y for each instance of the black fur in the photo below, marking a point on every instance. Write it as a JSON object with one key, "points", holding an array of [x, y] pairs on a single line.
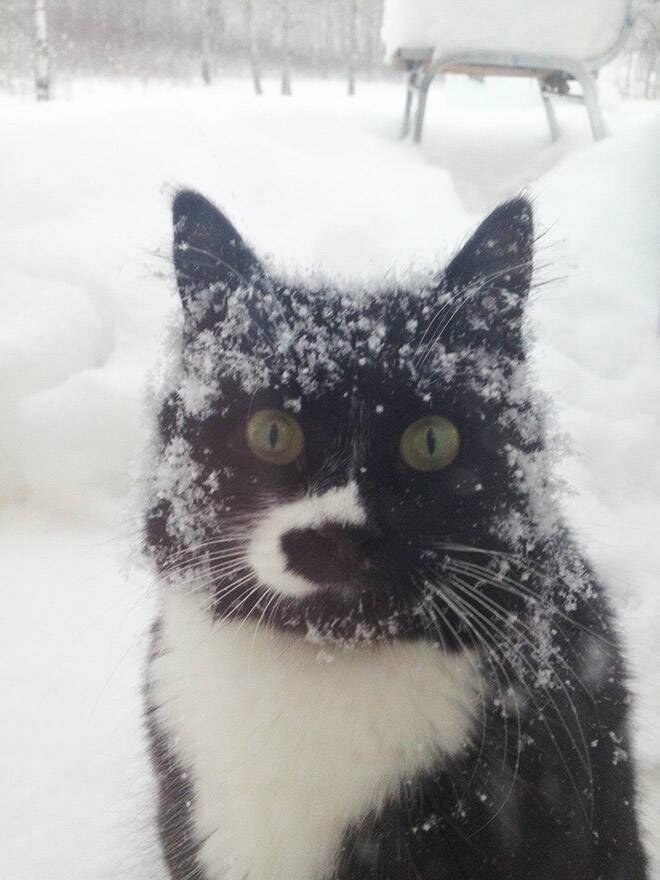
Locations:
{"points": [[175, 792], [472, 555]]}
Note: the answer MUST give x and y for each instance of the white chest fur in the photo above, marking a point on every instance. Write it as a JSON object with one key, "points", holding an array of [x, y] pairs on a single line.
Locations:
{"points": [[285, 747]]}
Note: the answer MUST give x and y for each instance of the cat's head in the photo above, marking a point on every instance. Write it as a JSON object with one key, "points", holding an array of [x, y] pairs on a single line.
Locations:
{"points": [[332, 461]]}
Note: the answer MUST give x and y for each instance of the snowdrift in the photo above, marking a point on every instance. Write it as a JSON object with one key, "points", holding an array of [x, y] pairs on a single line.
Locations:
{"points": [[86, 291], [580, 29]]}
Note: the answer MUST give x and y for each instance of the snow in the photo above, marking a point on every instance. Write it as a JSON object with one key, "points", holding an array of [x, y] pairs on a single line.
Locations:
{"points": [[575, 28], [314, 181]]}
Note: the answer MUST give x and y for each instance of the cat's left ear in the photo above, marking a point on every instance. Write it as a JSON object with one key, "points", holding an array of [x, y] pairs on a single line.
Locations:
{"points": [[490, 278], [210, 257]]}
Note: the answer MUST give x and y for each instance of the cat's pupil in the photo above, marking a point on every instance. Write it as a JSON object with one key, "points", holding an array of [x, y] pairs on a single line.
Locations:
{"points": [[430, 440], [273, 435]]}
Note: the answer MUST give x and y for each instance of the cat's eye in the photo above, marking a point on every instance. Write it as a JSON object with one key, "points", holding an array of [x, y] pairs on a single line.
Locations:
{"points": [[430, 443], [274, 436]]}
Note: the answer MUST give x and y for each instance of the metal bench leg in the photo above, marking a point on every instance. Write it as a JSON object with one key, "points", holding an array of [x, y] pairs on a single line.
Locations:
{"points": [[423, 90], [410, 91], [550, 113], [590, 93]]}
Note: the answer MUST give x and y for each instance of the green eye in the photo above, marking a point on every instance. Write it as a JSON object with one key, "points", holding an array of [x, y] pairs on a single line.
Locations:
{"points": [[430, 444], [274, 436]]}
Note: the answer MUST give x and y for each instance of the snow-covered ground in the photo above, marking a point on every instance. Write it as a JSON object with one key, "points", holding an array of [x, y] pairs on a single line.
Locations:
{"points": [[86, 288]]}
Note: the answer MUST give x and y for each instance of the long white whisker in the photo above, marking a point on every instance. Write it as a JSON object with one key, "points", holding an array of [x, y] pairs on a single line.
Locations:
{"points": [[522, 658]]}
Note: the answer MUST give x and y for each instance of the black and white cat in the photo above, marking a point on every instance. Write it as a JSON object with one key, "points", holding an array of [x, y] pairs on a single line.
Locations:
{"points": [[379, 652]]}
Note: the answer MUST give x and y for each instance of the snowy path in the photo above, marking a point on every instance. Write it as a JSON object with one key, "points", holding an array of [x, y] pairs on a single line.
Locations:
{"points": [[314, 180]]}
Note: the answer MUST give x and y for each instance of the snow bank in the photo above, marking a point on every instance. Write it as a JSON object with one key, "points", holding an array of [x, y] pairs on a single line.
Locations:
{"points": [[598, 356], [577, 28], [86, 290], [50, 330], [78, 801], [83, 305]]}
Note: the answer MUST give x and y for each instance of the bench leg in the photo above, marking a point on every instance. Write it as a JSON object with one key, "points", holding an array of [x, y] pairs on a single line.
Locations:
{"points": [[410, 91], [590, 93], [423, 90], [550, 113]]}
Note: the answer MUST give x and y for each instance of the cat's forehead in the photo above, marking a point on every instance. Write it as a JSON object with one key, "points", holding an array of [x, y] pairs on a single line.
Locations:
{"points": [[307, 342]]}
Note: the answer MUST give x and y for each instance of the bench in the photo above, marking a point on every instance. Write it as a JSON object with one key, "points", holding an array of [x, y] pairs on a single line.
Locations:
{"points": [[463, 30]]}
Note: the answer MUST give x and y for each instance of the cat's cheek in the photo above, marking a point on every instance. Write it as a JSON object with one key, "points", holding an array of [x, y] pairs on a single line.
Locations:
{"points": [[465, 483]]}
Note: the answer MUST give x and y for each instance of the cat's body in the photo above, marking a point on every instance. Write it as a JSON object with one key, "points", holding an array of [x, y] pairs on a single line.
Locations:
{"points": [[379, 653]]}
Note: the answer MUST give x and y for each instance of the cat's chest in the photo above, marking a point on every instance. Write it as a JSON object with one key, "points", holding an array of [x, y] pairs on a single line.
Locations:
{"points": [[286, 746]]}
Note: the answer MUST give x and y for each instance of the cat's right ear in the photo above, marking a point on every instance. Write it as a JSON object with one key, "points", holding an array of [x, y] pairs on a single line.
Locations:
{"points": [[210, 257]]}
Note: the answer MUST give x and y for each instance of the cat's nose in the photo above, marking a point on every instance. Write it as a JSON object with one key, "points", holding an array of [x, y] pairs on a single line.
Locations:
{"points": [[331, 553]]}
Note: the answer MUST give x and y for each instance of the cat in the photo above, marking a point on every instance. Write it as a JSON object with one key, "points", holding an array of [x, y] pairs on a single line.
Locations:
{"points": [[379, 652]]}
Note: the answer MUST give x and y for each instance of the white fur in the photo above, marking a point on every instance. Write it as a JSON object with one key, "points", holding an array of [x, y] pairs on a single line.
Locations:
{"points": [[265, 555], [286, 746]]}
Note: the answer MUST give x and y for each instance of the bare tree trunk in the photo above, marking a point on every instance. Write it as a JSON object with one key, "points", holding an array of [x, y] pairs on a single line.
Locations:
{"points": [[328, 35], [323, 14], [652, 57], [286, 56], [352, 44], [254, 49], [373, 49], [220, 25], [208, 43], [629, 65], [41, 52]]}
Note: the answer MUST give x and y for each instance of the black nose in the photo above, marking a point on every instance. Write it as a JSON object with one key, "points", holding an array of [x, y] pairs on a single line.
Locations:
{"points": [[329, 554]]}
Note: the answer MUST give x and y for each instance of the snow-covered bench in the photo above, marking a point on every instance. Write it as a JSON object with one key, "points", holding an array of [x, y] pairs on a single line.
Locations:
{"points": [[553, 41]]}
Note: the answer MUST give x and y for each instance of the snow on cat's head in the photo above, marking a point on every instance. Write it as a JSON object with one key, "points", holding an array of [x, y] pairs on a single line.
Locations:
{"points": [[328, 457]]}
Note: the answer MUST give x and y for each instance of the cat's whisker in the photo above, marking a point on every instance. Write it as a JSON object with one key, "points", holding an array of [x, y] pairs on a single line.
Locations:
{"points": [[493, 654], [536, 569], [226, 544], [439, 313], [258, 589], [494, 607], [273, 598], [491, 605], [202, 571], [197, 585], [204, 563], [445, 597], [549, 607], [435, 609], [520, 656], [505, 583], [462, 299], [518, 622]]}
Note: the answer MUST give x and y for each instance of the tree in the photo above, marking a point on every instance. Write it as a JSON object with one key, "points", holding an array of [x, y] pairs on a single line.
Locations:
{"points": [[41, 52], [212, 29], [352, 44], [252, 46], [286, 50]]}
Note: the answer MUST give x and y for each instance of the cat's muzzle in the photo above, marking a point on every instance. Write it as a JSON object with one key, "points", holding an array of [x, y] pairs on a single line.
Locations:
{"points": [[331, 554]]}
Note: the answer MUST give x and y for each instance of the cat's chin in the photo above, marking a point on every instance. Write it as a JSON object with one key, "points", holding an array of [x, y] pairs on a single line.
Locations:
{"points": [[342, 635]]}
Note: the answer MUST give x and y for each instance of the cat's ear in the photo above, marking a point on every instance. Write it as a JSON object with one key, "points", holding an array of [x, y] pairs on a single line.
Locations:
{"points": [[210, 257], [490, 277]]}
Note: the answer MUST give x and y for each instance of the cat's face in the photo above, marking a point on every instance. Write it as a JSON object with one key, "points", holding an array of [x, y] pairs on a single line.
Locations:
{"points": [[328, 457]]}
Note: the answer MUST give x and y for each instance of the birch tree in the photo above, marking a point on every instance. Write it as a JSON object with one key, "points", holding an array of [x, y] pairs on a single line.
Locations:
{"points": [[212, 28], [41, 52], [327, 36], [352, 44], [286, 48], [253, 48]]}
